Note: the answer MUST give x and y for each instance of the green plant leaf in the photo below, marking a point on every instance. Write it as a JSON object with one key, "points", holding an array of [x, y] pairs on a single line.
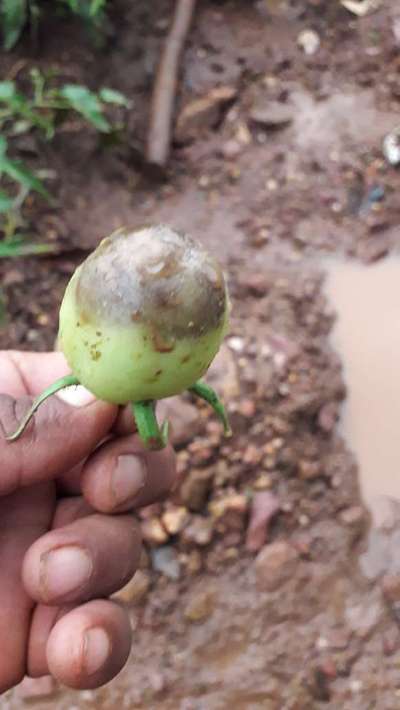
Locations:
{"points": [[18, 247], [6, 202], [3, 148], [21, 174], [73, 5], [85, 102], [20, 105], [34, 18], [38, 83], [7, 91], [111, 96], [87, 9], [20, 127], [13, 18], [97, 7]]}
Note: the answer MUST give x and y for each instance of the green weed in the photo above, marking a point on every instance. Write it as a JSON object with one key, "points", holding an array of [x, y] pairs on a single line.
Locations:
{"points": [[40, 112], [15, 15]]}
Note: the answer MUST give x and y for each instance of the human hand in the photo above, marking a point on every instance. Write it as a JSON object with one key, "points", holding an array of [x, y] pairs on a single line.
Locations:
{"points": [[67, 537]]}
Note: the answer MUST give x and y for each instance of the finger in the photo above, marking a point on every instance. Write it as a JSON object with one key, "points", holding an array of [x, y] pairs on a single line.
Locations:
{"points": [[91, 557], [57, 438], [125, 422], [89, 645], [69, 510], [44, 617], [30, 373], [23, 517], [122, 474], [43, 620], [69, 483]]}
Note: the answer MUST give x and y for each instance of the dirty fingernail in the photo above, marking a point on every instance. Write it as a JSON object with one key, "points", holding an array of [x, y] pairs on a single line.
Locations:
{"points": [[128, 479], [76, 396], [64, 570], [96, 649]]}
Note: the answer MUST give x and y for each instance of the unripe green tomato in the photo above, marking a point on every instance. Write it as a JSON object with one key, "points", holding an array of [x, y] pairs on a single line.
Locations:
{"points": [[143, 317]]}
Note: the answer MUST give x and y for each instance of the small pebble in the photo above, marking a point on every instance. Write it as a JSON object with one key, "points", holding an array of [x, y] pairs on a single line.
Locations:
{"points": [[153, 531], [391, 147], [309, 41], [352, 516], [199, 531], [274, 565], [308, 470], [236, 344], [196, 488], [356, 686], [263, 481], [136, 589], [201, 605], [174, 519], [165, 560], [231, 149], [391, 587], [194, 562], [235, 501], [247, 408], [264, 506]]}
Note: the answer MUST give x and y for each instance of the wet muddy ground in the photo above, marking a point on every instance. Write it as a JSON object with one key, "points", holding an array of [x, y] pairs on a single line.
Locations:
{"points": [[264, 584]]}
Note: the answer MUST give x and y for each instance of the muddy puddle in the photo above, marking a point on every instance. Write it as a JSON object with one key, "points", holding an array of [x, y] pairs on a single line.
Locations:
{"points": [[367, 337]]}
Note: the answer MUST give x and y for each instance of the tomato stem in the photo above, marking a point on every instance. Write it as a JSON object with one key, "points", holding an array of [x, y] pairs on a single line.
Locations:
{"points": [[146, 421], [66, 381], [207, 393]]}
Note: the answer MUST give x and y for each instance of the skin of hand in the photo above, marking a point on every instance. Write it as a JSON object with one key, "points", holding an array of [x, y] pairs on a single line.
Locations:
{"points": [[68, 536]]}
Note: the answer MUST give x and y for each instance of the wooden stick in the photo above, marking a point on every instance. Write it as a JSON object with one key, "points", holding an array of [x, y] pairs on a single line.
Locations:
{"points": [[163, 101]]}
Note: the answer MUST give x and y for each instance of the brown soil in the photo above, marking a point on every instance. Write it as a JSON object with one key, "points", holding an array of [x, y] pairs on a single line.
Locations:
{"points": [[272, 180]]}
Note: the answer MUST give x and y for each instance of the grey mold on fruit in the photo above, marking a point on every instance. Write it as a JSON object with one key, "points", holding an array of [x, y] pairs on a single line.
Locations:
{"points": [[155, 276]]}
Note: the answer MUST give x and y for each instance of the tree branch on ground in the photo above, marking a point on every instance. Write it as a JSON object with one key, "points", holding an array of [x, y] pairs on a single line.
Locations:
{"points": [[163, 101]]}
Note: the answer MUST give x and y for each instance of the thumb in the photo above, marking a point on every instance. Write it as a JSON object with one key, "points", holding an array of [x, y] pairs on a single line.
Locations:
{"points": [[59, 436]]}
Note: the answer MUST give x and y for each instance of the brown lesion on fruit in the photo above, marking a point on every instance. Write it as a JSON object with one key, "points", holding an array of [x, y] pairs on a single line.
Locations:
{"points": [[163, 300], [84, 317], [136, 316], [185, 359], [161, 266], [152, 380], [95, 353], [156, 277], [162, 343]]}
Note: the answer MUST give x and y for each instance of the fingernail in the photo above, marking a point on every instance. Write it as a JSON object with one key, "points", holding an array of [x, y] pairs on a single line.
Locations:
{"points": [[64, 570], [96, 649], [76, 396], [128, 479]]}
